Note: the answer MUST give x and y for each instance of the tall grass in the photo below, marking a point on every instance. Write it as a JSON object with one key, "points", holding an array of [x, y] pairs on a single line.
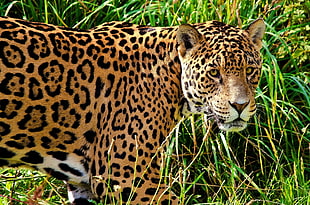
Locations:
{"points": [[268, 163]]}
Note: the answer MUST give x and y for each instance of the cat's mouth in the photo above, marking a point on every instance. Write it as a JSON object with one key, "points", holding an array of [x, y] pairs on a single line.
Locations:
{"points": [[232, 126]]}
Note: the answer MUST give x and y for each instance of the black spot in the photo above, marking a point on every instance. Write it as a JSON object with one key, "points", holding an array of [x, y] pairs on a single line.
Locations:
{"points": [[46, 142], [90, 136], [137, 55], [145, 199], [129, 31], [102, 169], [88, 117], [78, 152], [99, 87], [140, 152], [120, 156], [61, 146], [105, 50], [133, 39], [93, 168], [33, 157], [56, 174], [67, 168], [5, 153], [150, 146], [100, 189], [122, 42], [113, 52], [3, 162], [58, 155], [140, 40], [150, 191], [102, 63], [110, 41], [138, 168], [76, 99], [127, 175], [131, 158], [30, 68], [114, 31], [131, 147], [128, 194], [15, 144]]}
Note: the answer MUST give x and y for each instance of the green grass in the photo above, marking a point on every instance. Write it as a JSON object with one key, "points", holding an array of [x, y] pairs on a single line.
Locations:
{"points": [[268, 163]]}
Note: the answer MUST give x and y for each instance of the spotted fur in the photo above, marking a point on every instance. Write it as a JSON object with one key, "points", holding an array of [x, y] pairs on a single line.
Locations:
{"points": [[93, 107]]}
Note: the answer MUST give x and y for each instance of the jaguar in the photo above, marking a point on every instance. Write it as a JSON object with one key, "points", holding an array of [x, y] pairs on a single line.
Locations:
{"points": [[94, 107]]}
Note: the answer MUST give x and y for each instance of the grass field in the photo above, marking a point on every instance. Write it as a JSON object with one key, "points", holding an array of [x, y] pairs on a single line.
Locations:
{"points": [[268, 163]]}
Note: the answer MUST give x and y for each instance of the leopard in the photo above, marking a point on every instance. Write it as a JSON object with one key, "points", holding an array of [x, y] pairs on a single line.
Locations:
{"points": [[95, 107]]}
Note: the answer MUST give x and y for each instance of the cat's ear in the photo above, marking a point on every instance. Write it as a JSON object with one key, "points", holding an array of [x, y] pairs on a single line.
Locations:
{"points": [[187, 38], [256, 32]]}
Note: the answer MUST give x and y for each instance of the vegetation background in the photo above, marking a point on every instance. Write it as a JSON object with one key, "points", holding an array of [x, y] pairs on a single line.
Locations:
{"points": [[268, 163]]}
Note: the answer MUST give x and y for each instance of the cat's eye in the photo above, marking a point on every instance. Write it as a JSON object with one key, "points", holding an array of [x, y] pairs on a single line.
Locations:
{"points": [[214, 73], [249, 70]]}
